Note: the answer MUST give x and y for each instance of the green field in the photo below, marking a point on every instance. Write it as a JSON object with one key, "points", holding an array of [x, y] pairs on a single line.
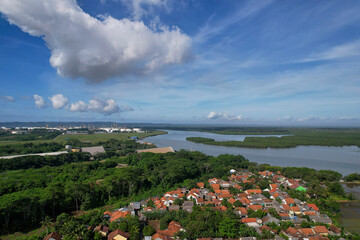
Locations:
{"points": [[297, 137]]}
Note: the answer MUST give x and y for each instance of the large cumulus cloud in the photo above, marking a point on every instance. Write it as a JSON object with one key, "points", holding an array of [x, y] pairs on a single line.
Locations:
{"points": [[105, 107], [85, 47]]}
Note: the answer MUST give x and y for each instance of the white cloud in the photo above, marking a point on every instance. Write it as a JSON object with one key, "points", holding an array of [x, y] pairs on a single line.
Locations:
{"points": [[58, 101], [85, 47], [224, 116], [79, 106], [214, 28], [288, 118], [106, 107], [140, 8], [345, 118], [39, 101], [311, 118], [341, 51], [7, 98]]}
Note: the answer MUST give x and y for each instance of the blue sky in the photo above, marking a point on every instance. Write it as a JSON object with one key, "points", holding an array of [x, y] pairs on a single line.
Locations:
{"points": [[181, 61]]}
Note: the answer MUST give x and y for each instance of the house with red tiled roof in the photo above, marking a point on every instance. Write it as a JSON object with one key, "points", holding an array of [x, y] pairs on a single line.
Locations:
{"points": [[309, 213], [213, 181], [223, 208], [200, 185], [215, 186], [313, 206], [255, 207], [118, 235], [296, 210], [245, 201], [251, 222], [253, 191], [223, 196], [168, 234], [273, 186], [318, 238], [275, 195], [148, 209], [231, 201], [199, 201], [291, 232], [118, 214], [284, 216], [289, 201], [322, 230], [285, 207], [53, 236], [159, 236], [307, 232], [242, 211]]}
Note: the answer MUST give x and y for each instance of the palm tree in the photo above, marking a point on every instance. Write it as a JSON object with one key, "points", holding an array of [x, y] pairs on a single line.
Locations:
{"points": [[47, 222]]}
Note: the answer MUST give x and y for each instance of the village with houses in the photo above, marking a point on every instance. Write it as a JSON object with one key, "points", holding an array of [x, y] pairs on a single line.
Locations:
{"points": [[273, 207]]}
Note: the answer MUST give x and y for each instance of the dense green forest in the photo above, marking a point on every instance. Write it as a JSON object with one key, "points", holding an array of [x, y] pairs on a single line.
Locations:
{"points": [[319, 137], [37, 134]]}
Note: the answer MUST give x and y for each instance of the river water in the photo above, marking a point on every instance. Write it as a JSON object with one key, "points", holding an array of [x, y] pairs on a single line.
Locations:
{"points": [[345, 160]]}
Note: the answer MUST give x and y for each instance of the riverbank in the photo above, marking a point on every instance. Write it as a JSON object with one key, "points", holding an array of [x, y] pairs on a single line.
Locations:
{"points": [[293, 138]]}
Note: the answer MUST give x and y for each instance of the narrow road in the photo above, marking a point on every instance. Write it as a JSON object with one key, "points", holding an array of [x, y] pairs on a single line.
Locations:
{"points": [[34, 154]]}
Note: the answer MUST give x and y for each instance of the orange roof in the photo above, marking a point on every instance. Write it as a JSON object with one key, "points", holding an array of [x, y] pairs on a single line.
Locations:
{"points": [[248, 220], [200, 184], [237, 186], [310, 213], [307, 231], [223, 208], [295, 209], [291, 231], [160, 236], [215, 186], [321, 229], [286, 207], [276, 195], [255, 207], [255, 191], [225, 192], [289, 201], [245, 201], [231, 200], [225, 196], [313, 206], [318, 238], [273, 186], [283, 214], [148, 209], [119, 214], [108, 213], [217, 191], [242, 210]]}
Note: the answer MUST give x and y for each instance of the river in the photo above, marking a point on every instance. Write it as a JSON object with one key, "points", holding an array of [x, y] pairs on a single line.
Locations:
{"points": [[345, 160]]}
